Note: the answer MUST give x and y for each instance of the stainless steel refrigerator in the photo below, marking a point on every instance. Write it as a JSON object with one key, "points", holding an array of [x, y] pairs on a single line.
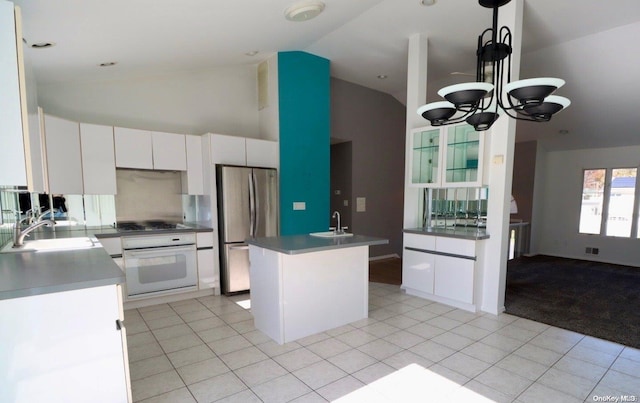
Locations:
{"points": [[247, 208]]}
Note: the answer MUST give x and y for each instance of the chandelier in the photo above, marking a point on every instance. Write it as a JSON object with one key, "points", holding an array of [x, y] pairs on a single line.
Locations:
{"points": [[479, 102]]}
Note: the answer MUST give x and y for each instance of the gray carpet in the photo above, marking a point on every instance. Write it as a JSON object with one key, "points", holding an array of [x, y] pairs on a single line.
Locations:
{"points": [[596, 299]]}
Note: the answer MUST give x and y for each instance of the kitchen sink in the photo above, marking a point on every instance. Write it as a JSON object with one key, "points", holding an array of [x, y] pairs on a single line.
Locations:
{"points": [[330, 234], [52, 245]]}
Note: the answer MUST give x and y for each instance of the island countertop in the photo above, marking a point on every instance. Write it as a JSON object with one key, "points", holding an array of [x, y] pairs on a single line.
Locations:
{"points": [[296, 244], [470, 233]]}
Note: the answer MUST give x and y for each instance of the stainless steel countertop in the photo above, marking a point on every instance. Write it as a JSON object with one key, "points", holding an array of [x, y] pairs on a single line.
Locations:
{"points": [[470, 233], [297, 244]]}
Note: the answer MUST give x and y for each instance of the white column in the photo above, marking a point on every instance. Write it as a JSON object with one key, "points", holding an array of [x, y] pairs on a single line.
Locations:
{"points": [[416, 96], [503, 134]]}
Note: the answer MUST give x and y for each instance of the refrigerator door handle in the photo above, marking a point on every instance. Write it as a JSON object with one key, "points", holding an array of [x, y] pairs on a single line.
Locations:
{"points": [[256, 204], [252, 206]]}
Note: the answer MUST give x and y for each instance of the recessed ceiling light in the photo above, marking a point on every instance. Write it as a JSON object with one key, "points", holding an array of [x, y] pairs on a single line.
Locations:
{"points": [[382, 76], [107, 64], [563, 131], [428, 2], [252, 53], [43, 45], [304, 10]]}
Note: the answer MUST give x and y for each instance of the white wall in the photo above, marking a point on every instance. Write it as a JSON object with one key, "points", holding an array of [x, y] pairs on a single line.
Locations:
{"points": [[557, 205], [218, 100]]}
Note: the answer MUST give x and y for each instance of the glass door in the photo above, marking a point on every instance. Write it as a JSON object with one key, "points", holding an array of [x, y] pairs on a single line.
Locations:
{"points": [[425, 149], [463, 156]]}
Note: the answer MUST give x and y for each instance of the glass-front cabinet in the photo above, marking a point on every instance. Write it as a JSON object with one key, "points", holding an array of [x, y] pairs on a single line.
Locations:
{"points": [[426, 157], [450, 156], [463, 159]]}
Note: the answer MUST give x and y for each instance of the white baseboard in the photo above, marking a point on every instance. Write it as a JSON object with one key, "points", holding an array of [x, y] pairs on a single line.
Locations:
{"points": [[391, 256]]}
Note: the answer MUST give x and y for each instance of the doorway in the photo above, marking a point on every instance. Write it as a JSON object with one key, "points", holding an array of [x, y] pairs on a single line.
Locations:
{"points": [[340, 186]]}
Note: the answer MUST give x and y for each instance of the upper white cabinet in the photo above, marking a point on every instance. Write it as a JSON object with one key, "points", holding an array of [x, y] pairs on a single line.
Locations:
{"points": [[228, 150], [450, 156], [193, 178], [133, 148], [98, 159], [262, 153], [243, 151], [21, 144], [64, 161], [169, 151]]}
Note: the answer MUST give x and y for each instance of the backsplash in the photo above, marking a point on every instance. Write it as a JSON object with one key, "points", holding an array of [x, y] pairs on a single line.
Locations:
{"points": [[9, 204], [148, 195]]}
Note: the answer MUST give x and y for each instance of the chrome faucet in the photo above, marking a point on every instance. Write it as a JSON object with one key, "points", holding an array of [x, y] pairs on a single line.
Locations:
{"points": [[21, 234], [338, 229]]}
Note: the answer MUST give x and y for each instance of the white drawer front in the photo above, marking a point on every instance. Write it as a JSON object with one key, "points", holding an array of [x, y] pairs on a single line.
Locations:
{"points": [[427, 242], [463, 247]]}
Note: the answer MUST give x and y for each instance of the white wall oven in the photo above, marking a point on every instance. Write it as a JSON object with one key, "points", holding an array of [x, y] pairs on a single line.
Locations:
{"points": [[160, 264]]}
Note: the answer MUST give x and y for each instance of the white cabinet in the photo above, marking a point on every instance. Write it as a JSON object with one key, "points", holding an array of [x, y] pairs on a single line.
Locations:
{"points": [[133, 148], [169, 151], [64, 161], [21, 153], [243, 151], [193, 178], [228, 150], [446, 157], [442, 269], [98, 159], [208, 265], [262, 153], [70, 347]]}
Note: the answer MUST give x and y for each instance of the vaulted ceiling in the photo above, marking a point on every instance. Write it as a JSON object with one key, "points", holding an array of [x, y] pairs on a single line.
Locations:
{"points": [[592, 44]]}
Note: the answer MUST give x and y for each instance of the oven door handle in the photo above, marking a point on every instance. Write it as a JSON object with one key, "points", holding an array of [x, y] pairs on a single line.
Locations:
{"points": [[170, 250]]}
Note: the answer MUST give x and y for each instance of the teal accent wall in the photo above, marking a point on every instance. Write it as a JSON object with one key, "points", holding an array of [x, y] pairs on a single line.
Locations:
{"points": [[304, 102]]}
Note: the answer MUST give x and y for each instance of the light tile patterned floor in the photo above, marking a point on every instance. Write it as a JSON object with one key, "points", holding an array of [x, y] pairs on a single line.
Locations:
{"points": [[408, 350]]}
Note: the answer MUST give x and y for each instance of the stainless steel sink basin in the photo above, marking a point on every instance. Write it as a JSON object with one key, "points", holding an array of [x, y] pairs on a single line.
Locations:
{"points": [[330, 234], [52, 245]]}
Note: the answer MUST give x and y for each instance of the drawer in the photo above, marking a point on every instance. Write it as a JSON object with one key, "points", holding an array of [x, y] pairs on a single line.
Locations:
{"points": [[456, 246], [426, 242], [204, 239]]}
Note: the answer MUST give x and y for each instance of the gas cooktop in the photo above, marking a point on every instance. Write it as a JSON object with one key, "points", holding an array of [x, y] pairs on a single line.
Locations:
{"points": [[154, 225]]}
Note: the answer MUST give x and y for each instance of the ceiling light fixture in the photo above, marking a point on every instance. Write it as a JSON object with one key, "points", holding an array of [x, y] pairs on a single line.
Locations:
{"points": [[107, 64], [252, 53], [479, 102], [304, 10], [382, 76], [428, 2]]}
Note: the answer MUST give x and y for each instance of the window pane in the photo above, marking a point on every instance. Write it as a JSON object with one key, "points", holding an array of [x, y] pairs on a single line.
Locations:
{"points": [[621, 198], [592, 196]]}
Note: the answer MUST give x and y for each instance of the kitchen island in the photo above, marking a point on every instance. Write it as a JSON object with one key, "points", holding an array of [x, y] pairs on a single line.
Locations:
{"points": [[303, 285]]}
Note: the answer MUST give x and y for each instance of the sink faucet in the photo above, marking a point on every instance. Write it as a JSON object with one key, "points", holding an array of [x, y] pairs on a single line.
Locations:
{"points": [[21, 234], [336, 214]]}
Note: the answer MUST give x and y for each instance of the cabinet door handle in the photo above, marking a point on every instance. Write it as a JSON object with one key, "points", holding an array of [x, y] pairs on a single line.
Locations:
{"points": [[119, 324]]}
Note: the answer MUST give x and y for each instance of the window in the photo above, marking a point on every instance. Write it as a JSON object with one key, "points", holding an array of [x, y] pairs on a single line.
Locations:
{"points": [[609, 202]]}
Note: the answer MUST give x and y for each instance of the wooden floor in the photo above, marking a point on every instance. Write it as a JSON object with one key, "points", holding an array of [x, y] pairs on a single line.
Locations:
{"points": [[387, 271]]}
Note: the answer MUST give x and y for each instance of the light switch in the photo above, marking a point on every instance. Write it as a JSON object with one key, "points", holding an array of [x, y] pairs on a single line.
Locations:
{"points": [[299, 205], [346, 203], [337, 192], [361, 204], [498, 159]]}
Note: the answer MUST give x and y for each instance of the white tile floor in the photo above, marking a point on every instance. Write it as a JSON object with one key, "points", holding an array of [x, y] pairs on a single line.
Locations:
{"points": [[409, 349]]}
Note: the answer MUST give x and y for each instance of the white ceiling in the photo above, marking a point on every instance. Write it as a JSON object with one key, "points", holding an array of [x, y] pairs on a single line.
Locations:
{"points": [[590, 43]]}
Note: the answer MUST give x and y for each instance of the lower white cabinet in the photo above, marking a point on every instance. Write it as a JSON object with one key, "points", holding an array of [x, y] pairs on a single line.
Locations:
{"points": [[442, 269], [208, 266], [67, 346]]}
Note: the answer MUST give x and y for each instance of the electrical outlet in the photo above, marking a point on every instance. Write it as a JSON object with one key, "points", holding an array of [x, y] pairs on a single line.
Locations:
{"points": [[588, 250], [595, 251]]}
